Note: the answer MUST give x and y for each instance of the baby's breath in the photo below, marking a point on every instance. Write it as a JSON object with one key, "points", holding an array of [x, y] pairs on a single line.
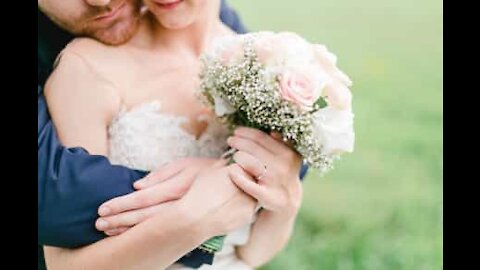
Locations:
{"points": [[255, 96]]}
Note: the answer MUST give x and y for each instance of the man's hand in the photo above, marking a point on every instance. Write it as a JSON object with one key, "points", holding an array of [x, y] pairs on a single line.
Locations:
{"points": [[216, 204], [168, 183]]}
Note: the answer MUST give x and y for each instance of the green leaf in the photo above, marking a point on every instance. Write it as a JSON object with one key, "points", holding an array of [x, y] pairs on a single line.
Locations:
{"points": [[321, 103]]}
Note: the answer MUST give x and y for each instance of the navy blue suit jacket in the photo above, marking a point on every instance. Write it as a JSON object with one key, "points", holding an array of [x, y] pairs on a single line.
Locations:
{"points": [[71, 183]]}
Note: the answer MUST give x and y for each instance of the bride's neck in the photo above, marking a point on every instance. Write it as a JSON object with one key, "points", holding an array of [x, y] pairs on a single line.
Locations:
{"points": [[194, 38]]}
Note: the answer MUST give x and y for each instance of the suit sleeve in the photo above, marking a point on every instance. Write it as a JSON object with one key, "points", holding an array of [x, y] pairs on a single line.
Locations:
{"points": [[71, 186], [230, 17]]}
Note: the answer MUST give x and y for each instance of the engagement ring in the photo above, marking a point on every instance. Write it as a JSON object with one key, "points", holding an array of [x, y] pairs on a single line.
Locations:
{"points": [[263, 173]]}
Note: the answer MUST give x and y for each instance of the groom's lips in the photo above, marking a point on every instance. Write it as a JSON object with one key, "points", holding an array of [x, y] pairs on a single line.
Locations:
{"points": [[111, 14], [168, 5]]}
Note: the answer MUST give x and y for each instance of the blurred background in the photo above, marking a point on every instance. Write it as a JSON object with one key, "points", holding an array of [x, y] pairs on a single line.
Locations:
{"points": [[381, 207]]}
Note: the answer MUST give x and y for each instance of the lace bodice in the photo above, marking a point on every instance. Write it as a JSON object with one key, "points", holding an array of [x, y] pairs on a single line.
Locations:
{"points": [[144, 138]]}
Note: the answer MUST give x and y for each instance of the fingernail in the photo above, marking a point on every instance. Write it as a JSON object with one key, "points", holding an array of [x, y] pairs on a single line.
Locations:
{"points": [[104, 210], [102, 224], [276, 135], [142, 181], [111, 232], [230, 140], [138, 184]]}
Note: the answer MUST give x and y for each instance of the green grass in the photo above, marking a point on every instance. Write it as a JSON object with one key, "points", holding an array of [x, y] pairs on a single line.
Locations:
{"points": [[381, 208]]}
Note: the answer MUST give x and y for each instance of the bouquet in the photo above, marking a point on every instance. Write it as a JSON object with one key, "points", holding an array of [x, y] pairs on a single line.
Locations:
{"points": [[280, 82]]}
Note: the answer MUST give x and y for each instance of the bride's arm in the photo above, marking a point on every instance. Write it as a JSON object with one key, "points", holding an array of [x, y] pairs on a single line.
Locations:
{"points": [[277, 188], [154, 244], [81, 103]]}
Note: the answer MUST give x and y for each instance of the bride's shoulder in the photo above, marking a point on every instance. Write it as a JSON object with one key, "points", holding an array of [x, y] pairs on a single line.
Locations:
{"points": [[80, 67], [87, 49], [87, 46], [78, 78], [87, 57]]}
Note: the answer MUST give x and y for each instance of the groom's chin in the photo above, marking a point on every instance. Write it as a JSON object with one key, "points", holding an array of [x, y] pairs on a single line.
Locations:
{"points": [[118, 33], [118, 30]]}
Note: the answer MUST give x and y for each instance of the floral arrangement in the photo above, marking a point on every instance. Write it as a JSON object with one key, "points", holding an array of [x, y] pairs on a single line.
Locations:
{"points": [[280, 82]]}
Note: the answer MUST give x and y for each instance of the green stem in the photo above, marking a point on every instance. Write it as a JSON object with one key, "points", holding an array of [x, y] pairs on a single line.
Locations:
{"points": [[213, 245]]}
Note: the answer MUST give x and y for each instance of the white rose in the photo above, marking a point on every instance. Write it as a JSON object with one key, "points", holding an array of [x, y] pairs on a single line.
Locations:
{"points": [[337, 90], [334, 128], [282, 48], [222, 106]]}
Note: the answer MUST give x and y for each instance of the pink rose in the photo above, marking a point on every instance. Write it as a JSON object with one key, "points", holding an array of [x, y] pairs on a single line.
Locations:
{"points": [[301, 87]]}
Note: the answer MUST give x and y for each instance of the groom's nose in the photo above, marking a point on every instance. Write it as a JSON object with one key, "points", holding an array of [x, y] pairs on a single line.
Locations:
{"points": [[98, 3]]}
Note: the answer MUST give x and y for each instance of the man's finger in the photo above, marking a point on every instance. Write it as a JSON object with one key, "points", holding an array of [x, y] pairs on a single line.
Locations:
{"points": [[117, 231], [162, 174], [125, 219], [166, 191], [219, 163]]}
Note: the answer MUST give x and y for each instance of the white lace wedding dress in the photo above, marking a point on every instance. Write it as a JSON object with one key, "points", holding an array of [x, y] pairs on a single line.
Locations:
{"points": [[144, 138]]}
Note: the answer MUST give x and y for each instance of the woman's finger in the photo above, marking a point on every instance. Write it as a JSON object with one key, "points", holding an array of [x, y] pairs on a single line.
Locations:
{"points": [[251, 147], [246, 183], [278, 137], [261, 138], [251, 165]]}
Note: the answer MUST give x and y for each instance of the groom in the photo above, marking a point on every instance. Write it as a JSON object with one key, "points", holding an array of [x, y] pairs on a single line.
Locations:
{"points": [[71, 183]]}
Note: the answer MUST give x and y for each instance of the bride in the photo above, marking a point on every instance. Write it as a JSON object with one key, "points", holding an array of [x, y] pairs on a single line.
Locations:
{"points": [[136, 104]]}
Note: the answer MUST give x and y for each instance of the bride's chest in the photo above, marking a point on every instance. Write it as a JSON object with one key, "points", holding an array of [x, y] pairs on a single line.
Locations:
{"points": [[145, 137], [162, 117], [175, 87]]}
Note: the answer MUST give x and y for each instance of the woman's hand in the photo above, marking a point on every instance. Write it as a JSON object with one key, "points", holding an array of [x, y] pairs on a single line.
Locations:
{"points": [[273, 179], [274, 168]]}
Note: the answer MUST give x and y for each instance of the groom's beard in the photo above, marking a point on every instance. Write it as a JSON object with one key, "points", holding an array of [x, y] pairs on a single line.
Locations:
{"points": [[115, 29]]}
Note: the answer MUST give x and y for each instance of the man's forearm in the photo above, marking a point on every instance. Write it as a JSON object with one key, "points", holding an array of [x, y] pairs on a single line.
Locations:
{"points": [[230, 17], [71, 186], [153, 244]]}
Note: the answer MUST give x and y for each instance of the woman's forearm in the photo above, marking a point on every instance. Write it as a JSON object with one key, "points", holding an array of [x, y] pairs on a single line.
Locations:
{"points": [[153, 244], [270, 234]]}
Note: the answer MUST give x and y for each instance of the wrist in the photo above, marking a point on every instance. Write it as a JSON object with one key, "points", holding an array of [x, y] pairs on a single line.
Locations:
{"points": [[287, 215], [194, 218], [202, 222]]}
